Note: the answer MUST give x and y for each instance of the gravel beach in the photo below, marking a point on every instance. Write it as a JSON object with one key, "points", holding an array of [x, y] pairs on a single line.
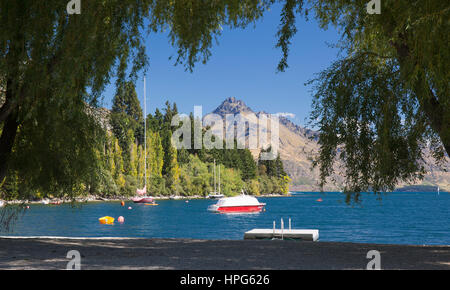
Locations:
{"points": [[188, 254]]}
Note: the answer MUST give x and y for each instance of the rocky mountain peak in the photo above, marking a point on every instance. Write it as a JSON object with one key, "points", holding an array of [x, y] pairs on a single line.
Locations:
{"points": [[231, 106]]}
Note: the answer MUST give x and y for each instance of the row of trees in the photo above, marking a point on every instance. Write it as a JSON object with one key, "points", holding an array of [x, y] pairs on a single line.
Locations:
{"points": [[171, 171], [120, 156]]}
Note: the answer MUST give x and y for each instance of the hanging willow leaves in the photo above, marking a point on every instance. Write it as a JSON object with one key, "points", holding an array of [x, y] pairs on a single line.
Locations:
{"points": [[386, 103], [53, 64]]}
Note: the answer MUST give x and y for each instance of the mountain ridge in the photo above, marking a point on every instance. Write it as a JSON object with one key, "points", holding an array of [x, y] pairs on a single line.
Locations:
{"points": [[298, 144]]}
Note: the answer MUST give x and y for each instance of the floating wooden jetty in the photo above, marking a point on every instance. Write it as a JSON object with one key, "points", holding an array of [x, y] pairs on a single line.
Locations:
{"points": [[306, 235], [288, 234]]}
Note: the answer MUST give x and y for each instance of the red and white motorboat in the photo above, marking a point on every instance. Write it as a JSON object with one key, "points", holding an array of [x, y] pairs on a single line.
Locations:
{"points": [[237, 204]]}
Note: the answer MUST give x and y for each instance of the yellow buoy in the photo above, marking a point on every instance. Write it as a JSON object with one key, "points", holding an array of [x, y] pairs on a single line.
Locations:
{"points": [[106, 220]]}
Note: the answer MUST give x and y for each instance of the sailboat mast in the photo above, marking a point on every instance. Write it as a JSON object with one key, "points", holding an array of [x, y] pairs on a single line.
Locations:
{"points": [[219, 178], [145, 136], [214, 176]]}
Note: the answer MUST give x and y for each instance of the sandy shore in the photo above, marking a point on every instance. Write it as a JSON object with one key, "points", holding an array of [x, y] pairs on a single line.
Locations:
{"points": [[187, 254]]}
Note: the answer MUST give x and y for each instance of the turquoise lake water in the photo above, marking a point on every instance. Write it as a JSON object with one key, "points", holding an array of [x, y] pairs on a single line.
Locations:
{"points": [[399, 218]]}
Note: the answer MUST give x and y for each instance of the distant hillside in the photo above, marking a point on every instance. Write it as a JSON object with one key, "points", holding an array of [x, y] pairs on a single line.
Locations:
{"points": [[298, 144]]}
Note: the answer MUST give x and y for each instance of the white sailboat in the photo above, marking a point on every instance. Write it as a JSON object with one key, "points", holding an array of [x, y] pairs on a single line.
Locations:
{"points": [[142, 193], [216, 194], [439, 190]]}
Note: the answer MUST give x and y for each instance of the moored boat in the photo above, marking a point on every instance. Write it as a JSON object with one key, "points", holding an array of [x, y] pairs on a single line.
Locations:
{"points": [[215, 194], [237, 204], [142, 199]]}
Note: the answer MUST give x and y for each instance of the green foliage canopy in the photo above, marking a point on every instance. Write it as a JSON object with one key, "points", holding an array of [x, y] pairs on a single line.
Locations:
{"points": [[375, 108], [52, 64]]}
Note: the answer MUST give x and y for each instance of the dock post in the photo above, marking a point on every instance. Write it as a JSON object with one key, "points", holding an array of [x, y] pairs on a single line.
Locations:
{"points": [[273, 235], [289, 223], [282, 228]]}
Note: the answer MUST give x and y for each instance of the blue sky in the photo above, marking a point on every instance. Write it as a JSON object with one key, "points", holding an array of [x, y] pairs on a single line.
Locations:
{"points": [[243, 65]]}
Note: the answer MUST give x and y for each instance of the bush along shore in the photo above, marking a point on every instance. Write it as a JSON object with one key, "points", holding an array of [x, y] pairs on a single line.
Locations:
{"points": [[117, 169]]}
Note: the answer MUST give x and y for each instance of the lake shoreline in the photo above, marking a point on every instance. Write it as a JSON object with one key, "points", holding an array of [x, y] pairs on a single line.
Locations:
{"points": [[92, 198], [193, 254]]}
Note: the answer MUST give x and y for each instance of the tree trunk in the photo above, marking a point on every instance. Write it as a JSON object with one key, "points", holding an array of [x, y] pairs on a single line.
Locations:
{"points": [[9, 130], [6, 143], [434, 110]]}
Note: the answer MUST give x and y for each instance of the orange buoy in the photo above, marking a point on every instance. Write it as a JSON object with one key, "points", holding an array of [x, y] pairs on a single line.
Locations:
{"points": [[319, 200], [122, 203]]}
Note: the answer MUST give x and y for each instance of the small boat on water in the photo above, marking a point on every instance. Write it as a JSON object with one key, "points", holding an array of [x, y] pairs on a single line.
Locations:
{"points": [[142, 200], [2, 203], [145, 199], [237, 204], [215, 194], [142, 197], [142, 193]]}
